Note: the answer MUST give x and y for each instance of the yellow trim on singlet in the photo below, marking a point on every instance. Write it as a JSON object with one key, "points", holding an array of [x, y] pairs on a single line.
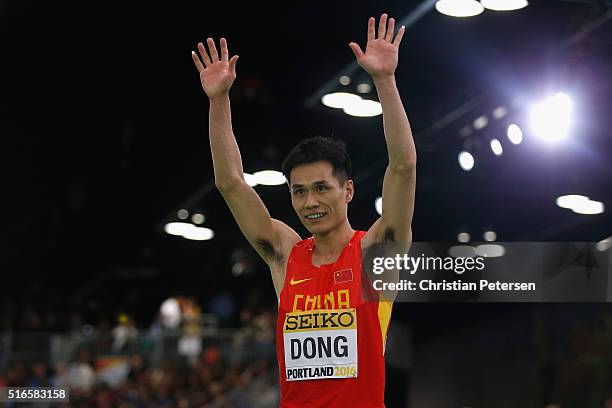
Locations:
{"points": [[384, 317]]}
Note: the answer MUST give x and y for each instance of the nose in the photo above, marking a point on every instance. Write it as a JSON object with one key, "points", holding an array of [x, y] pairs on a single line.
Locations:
{"points": [[311, 201]]}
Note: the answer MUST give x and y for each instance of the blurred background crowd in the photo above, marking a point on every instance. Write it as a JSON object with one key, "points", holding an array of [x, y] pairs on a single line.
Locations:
{"points": [[182, 359]]}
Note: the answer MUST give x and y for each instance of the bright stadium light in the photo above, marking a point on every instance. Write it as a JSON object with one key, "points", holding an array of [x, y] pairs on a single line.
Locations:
{"points": [[345, 80], [199, 234], [250, 179], [462, 251], [500, 112], [270, 178], [551, 118], [497, 148], [515, 134], [378, 205], [189, 231], [580, 204], [459, 8], [183, 214], [490, 250], [504, 5], [589, 207], [364, 88], [466, 161], [177, 228], [604, 244], [489, 236], [198, 218], [339, 99], [570, 201], [480, 122], [463, 237], [363, 108]]}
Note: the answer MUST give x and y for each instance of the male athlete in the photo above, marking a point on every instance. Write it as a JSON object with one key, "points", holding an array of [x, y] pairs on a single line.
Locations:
{"points": [[331, 334]]}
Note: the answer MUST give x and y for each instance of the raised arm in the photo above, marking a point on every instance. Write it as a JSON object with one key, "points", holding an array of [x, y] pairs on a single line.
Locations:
{"points": [[380, 61], [271, 238]]}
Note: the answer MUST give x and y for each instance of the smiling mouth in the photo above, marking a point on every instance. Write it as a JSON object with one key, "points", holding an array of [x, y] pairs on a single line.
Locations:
{"points": [[314, 216]]}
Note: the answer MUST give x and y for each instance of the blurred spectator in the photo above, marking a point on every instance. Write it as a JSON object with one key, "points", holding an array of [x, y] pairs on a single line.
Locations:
{"points": [[125, 334], [190, 343], [40, 375], [81, 374], [60, 379]]}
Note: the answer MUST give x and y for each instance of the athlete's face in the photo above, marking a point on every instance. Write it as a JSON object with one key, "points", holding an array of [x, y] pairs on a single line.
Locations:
{"points": [[318, 197]]}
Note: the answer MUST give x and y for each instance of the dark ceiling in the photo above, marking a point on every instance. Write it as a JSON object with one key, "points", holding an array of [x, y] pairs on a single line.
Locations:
{"points": [[104, 127]]}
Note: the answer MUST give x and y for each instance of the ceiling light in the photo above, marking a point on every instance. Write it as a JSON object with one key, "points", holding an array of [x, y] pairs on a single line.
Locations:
{"points": [[496, 147], [500, 112], [570, 201], [490, 236], [378, 205], [589, 207], [515, 134], [363, 108], [504, 5], [199, 234], [177, 228], [459, 8], [466, 161], [250, 179], [339, 99], [463, 237], [270, 177], [490, 250], [551, 118]]}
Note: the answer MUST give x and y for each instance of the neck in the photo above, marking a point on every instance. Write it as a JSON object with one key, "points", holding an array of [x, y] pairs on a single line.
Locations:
{"points": [[332, 242]]}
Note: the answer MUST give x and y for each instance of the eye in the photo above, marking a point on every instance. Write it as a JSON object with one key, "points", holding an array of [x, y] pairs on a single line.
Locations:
{"points": [[298, 192], [321, 188]]}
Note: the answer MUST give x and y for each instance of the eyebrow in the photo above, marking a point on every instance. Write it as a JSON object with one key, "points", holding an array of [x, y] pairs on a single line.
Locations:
{"points": [[316, 183]]}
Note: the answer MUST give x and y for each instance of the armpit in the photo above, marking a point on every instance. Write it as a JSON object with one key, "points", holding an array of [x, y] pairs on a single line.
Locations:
{"points": [[388, 235], [270, 254]]}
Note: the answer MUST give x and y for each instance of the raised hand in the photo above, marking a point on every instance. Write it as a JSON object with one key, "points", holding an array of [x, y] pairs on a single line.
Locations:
{"points": [[216, 75], [381, 55]]}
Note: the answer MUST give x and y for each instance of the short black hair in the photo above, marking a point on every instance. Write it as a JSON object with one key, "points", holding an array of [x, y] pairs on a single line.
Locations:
{"points": [[316, 149]]}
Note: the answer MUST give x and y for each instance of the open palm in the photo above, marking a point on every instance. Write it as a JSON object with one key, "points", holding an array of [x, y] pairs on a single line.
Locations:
{"points": [[381, 55], [216, 75]]}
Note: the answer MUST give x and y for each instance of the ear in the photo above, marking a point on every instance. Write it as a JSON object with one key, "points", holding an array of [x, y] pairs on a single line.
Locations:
{"points": [[350, 190]]}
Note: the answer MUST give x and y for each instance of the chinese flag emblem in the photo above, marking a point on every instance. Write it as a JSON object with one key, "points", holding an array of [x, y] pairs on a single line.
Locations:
{"points": [[345, 275]]}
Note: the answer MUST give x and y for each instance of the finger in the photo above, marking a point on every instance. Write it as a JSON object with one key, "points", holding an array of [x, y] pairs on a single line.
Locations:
{"points": [[390, 30], [400, 34], [382, 26], [214, 55], [224, 52], [371, 23], [197, 62], [232, 63], [204, 54], [356, 50]]}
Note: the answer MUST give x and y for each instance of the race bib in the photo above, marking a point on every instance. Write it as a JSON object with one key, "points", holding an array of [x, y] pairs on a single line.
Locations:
{"points": [[320, 344]]}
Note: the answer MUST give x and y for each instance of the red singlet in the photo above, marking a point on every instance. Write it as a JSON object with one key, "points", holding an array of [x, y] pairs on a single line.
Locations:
{"points": [[330, 337]]}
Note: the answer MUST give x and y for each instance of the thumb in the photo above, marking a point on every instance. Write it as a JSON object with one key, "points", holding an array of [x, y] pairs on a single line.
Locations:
{"points": [[356, 50], [232, 63]]}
